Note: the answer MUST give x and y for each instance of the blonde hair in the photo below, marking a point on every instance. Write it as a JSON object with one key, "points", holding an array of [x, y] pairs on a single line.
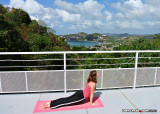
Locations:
{"points": [[92, 76]]}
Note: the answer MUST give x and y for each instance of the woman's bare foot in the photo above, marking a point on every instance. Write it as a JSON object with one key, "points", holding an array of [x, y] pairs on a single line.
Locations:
{"points": [[47, 105]]}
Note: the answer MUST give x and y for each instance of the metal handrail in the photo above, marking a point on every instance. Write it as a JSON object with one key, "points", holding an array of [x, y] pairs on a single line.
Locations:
{"points": [[32, 60], [65, 59], [72, 52], [79, 59]]}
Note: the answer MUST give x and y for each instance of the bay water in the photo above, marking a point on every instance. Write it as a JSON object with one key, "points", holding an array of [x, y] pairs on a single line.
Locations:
{"points": [[82, 43]]}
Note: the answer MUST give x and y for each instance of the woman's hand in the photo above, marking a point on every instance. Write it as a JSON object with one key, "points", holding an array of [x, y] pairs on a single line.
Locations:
{"points": [[93, 104]]}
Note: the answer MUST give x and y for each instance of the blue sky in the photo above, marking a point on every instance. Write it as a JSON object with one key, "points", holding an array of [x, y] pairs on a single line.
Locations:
{"points": [[94, 16]]}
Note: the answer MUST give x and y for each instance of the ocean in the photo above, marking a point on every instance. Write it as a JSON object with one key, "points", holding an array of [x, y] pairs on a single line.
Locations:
{"points": [[82, 43]]}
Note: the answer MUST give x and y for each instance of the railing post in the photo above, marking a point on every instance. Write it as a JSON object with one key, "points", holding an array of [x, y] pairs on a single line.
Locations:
{"points": [[26, 81], [155, 76], [0, 84], [135, 72], [83, 79], [102, 80], [65, 87]]}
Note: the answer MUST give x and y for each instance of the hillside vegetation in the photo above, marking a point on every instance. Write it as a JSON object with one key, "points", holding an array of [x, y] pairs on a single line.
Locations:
{"points": [[19, 33]]}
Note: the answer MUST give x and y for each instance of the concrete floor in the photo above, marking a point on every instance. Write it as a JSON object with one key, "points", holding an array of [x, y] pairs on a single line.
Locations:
{"points": [[114, 101]]}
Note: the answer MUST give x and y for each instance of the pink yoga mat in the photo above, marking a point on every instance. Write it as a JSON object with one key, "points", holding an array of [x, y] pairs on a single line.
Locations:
{"points": [[39, 107]]}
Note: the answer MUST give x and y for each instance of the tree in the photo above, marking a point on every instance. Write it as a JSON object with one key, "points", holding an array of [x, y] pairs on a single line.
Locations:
{"points": [[51, 30], [42, 23], [34, 27], [21, 16], [3, 10], [10, 37], [92, 37]]}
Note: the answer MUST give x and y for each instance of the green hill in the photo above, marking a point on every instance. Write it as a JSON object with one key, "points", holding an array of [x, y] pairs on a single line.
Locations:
{"points": [[19, 33]]}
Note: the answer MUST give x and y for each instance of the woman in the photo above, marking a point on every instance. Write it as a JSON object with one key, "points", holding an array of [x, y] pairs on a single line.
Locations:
{"points": [[79, 96]]}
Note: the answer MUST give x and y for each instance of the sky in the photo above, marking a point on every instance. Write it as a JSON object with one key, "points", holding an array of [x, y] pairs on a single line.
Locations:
{"points": [[94, 16]]}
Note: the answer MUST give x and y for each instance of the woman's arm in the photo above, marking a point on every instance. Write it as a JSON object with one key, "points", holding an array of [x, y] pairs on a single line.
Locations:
{"points": [[92, 88]]}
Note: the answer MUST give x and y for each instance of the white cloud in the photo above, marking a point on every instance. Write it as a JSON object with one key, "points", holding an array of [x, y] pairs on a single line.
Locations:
{"points": [[84, 15], [131, 9], [91, 14], [91, 8], [119, 16], [134, 3], [108, 15], [154, 3], [69, 7], [33, 7], [36, 11], [84, 9], [131, 24], [67, 17], [98, 23], [17, 3], [136, 9], [88, 13], [86, 24], [137, 14], [152, 24]]}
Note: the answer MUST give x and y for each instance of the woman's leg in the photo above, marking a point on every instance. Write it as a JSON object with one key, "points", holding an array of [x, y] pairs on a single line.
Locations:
{"points": [[73, 99], [58, 101]]}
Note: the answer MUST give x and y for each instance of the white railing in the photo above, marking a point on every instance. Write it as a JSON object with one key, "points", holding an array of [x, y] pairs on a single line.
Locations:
{"points": [[72, 79]]}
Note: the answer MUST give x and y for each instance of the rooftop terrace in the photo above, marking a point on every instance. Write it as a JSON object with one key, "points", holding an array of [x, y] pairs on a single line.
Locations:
{"points": [[114, 100], [127, 79]]}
